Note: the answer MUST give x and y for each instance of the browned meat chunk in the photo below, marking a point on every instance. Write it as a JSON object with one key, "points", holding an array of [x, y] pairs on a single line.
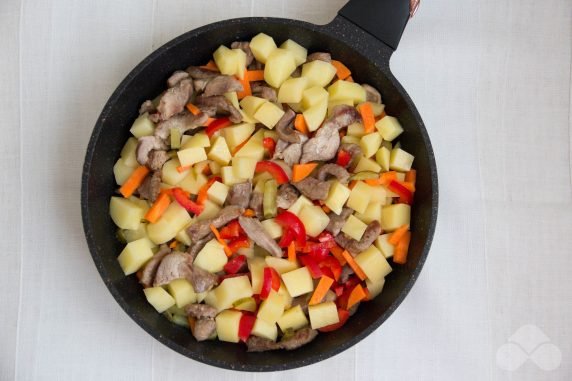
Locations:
{"points": [[222, 84], [292, 154], [201, 311], [372, 95], [197, 246], [355, 151], [201, 279], [346, 273], [198, 73], [150, 269], [151, 186], [300, 337], [337, 221], [147, 106], [218, 105], [239, 195], [255, 204], [261, 91], [200, 229], [203, 329], [301, 301], [281, 145], [245, 47], [326, 57], [355, 247], [297, 73], [254, 230], [313, 188], [157, 159], [285, 130], [287, 195], [145, 145], [200, 84], [333, 170], [260, 344], [177, 77], [175, 265], [174, 99], [183, 122]]}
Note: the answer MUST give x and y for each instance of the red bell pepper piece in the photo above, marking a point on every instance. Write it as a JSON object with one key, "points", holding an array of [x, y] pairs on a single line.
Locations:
{"points": [[238, 243], [333, 265], [235, 264], [338, 289], [186, 202], [270, 281], [274, 169], [225, 276], [344, 158], [326, 237], [231, 230], [312, 265], [287, 237], [292, 223], [343, 316], [245, 326], [405, 194], [217, 124], [270, 145]]}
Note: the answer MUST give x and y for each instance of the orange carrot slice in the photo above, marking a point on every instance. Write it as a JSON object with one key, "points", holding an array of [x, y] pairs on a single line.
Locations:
{"points": [[134, 181], [301, 171], [158, 208], [341, 70], [354, 265], [321, 290]]}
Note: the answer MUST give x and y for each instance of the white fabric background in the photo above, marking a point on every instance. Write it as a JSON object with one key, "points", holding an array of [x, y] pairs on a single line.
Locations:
{"points": [[491, 79]]}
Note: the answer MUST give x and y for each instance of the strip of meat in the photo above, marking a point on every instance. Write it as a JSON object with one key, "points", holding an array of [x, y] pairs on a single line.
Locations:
{"points": [[292, 154], [281, 145], [183, 122], [222, 84], [302, 301], [321, 56], [337, 221], [218, 105], [355, 247], [200, 229], [202, 280], [175, 265], [256, 200], [197, 246], [156, 159], [174, 99], [372, 95], [200, 84], [313, 188], [287, 196], [200, 311], [301, 337], [284, 128], [334, 170], [254, 230], [239, 195], [245, 47], [355, 151], [261, 344], [262, 91], [147, 106], [346, 273], [203, 329], [197, 73], [177, 77], [151, 187], [145, 145], [150, 269]]}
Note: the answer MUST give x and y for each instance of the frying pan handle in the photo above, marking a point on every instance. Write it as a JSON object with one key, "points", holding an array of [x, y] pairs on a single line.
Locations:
{"points": [[384, 19]]}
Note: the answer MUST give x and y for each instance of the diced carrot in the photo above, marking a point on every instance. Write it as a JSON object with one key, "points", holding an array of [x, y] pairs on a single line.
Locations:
{"points": [[367, 117], [246, 90], [238, 147], [225, 247], [202, 195], [411, 176], [292, 252], [300, 124], [326, 209], [207, 170], [193, 109], [397, 235], [342, 133], [341, 70], [183, 168], [255, 75], [210, 66], [409, 185], [387, 177], [249, 213], [134, 181], [321, 290], [357, 295], [337, 252], [350, 79], [353, 264], [367, 294], [301, 171], [209, 121], [158, 208], [173, 244], [352, 184], [192, 322], [380, 116], [402, 248]]}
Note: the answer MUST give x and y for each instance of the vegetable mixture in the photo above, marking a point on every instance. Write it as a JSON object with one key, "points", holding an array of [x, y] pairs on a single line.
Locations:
{"points": [[263, 196]]}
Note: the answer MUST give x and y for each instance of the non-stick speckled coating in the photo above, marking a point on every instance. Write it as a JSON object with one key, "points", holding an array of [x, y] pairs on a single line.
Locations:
{"points": [[369, 61]]}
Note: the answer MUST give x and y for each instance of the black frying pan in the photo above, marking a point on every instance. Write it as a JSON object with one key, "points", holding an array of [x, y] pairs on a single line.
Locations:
{"points": [[363, 36]]}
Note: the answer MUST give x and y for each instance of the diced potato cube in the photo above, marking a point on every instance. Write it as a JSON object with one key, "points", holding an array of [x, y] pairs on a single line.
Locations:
{"points": [[240, 63], [202, 296], [134, 235], [182, 291], [214, 167], [354, 227], [251, 104], [264, 329], [296, 106], [193, 182], [332, 104], [373, 263], [227, 324], [200, 139], [315, 115], [284, 292], [245, 304], [292, 89], [299, 204], [394, 216], [228, 177], [128, 153], [272, 228], [142, 126], [374, 288], [199, 168], [372, 212], [159, 298], [400, 160], [243, 167], [134, 255], [337, 196], [183, 237], [210, 210], [248, 252], [212, 257], [279, 65], [367, 165], [357, 129], [300, 53], [219, 151], [348, 139], [121, 171], [384, 246], [171, 222], [382, 157], [228, 60], [370, 144], [237, 134], [190, 156], [293, 319], [218, 192], [233, 98], [272, 308], [377, 108], [269, 114], [298, 282], [125, 213], [169, 173], [319, 73], [314, 219], [347, 90], [231, 290], [378, 194], [281, 265], [271, 134], [253, 148], [389, 128], [359, 197], [323, 314], [262, 45], [313, 96], [256, 267]]}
